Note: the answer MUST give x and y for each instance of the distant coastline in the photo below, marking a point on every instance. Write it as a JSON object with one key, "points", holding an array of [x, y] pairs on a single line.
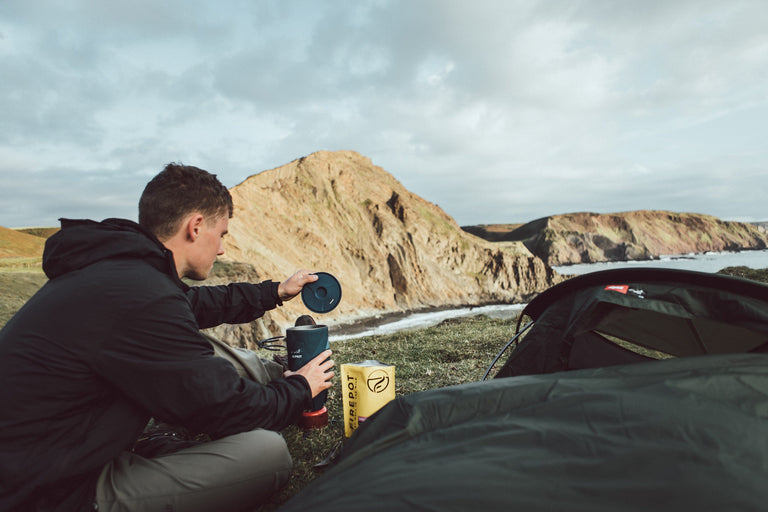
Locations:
{"points": [[388, 323], [701, 262], [642, 235]]}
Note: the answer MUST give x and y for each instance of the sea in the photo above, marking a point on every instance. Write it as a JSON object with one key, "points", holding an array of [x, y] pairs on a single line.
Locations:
{"points": [[706, 262]]}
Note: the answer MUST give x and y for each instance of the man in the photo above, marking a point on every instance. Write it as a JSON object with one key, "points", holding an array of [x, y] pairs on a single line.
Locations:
{"points": [[113, 339]]}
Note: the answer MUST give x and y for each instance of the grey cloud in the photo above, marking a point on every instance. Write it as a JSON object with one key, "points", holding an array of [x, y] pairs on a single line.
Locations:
{"points": [[41, 198], [536, 107]]}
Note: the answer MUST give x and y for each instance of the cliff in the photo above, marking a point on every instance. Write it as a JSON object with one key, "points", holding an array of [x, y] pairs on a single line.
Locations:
{"points": [[637, 235], [391, 250]]}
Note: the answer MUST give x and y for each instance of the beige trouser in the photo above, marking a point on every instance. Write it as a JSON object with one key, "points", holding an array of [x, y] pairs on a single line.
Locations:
{"points": [[232, 473]]}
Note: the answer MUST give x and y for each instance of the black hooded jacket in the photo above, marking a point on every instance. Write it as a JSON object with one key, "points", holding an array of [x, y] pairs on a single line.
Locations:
{"points": [[109, 341]]}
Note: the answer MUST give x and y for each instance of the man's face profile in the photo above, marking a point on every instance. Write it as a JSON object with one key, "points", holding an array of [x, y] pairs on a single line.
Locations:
{"points": [[207, 244]]}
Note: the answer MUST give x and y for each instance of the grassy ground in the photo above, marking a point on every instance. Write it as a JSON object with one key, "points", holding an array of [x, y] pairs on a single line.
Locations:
{"points": [[16, 287], [454, 352], [21, 264]]}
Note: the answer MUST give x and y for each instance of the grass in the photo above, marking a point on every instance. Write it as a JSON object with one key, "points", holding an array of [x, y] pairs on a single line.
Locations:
{"points": [[21, 264], [454, 352], [16, 287]]}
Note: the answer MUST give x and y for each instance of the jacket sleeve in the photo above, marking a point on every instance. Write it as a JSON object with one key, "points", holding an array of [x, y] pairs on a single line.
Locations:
{"points": [[234, 303], [158, 359]]}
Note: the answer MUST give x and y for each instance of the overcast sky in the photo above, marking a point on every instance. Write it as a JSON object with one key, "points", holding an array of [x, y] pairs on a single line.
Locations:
{"points": [[498, 111]]}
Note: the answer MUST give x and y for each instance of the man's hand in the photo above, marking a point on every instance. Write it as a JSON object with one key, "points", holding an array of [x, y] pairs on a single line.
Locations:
{"points": [[292, 286], [316, 372]]}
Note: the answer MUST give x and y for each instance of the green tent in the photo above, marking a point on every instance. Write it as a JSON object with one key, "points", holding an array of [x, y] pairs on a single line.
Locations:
{"points": [[632, 390], [633, 315]]}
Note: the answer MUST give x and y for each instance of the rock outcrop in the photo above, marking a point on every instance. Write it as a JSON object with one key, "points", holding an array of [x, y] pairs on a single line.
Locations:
{"points": [[638, 235], [391, 250]]}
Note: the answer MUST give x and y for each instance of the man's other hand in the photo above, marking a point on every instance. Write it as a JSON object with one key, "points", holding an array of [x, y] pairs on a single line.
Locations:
{"points": [[292, 286]]}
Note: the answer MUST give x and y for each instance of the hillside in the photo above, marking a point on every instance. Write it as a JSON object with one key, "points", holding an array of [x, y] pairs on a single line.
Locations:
{"points": [[491, 232], [391, 250], [43, 232], [16, 244], [637, 235]]}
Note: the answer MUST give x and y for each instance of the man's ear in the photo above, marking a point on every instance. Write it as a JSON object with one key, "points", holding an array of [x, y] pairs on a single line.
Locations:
{"points": [[193, 226]]}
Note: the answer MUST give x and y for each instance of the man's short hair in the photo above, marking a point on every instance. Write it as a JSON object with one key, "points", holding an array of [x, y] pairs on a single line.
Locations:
{"points": [[178, 191]]}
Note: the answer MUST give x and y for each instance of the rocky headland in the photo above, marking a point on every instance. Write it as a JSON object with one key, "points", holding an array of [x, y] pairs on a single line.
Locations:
{"points": [[636, 235], [391, 250]]}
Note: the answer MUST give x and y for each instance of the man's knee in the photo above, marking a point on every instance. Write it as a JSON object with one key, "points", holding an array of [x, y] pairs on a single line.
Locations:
{"points": [[241, 469], [264, 460], [265, 447], [250, 453]]}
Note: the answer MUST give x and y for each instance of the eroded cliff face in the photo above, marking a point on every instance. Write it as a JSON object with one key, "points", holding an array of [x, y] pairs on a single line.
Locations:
{"points": [[390, 249], [638, 235]]}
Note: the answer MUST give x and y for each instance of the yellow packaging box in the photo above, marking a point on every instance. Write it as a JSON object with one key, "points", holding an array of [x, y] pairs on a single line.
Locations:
{"points": [[365, 387]]}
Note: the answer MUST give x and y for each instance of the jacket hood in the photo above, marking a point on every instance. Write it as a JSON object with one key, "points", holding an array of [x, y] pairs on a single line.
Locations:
{"points": [[80, 243]]}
